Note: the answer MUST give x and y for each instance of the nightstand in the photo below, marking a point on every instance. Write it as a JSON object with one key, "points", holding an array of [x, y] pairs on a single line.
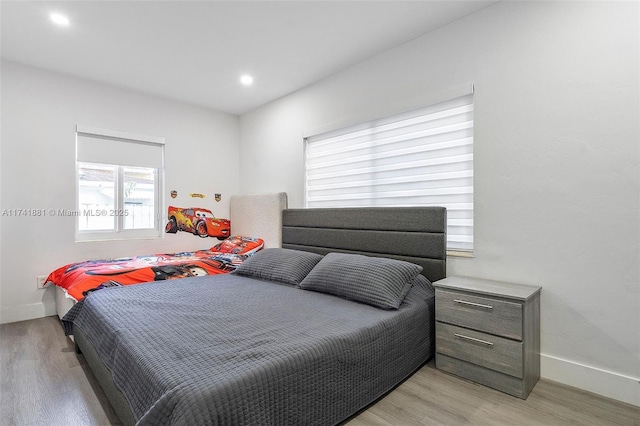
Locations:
{"points": [[489, 332]]}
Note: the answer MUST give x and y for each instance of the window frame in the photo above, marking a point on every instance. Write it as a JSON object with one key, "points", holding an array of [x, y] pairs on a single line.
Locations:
{"points": [[119, 232]]}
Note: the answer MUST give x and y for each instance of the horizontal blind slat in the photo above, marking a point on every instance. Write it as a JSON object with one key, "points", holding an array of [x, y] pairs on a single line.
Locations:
{"points": [[409, 164], [431, 149], [391, 140], [448, 176]]}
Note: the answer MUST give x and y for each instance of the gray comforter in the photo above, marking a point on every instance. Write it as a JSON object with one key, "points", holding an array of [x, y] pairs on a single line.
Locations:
{"points": [[230, 350]]}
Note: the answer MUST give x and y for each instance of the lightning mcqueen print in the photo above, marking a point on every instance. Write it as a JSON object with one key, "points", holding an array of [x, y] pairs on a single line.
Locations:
{"points": [[197, 221]]}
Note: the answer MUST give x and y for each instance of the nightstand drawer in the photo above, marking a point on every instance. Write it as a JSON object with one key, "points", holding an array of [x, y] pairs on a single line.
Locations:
{"points": [[502, 382], [487, 314], [495, 353]]}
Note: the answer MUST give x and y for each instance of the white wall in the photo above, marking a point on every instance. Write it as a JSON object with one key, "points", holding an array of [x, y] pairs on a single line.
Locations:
{"points": [[557, 196], [40, 111]]}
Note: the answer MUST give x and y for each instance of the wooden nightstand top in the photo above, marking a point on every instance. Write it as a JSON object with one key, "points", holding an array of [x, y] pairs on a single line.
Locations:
{"points": [[520, 292]]}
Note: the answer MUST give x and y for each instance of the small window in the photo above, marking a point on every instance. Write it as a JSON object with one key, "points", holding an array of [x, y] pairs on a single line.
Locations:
{"points": [[422, 157], [118, 185]]}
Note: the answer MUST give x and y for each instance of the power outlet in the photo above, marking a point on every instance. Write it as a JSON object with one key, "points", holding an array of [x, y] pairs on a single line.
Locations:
{"points": [[41, 280]]}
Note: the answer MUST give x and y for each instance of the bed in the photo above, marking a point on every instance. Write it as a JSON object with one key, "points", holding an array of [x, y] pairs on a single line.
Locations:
{"points": [[253, 224], [302, 334]]}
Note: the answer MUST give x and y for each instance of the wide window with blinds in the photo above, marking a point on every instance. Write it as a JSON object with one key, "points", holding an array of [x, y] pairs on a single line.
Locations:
{"points": [[423, 157], [118, 185]]}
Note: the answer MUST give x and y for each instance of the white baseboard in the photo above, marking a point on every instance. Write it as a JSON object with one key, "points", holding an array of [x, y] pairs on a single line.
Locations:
{"points": [[606, 383], [27, 312]]}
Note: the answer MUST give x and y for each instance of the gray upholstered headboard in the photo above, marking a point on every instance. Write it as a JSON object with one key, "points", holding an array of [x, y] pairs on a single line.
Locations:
{"points": [[414, 234]]}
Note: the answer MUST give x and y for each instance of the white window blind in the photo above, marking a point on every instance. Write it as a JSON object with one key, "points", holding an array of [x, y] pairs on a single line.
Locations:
{"points": [[422, 157], [115, 148]]}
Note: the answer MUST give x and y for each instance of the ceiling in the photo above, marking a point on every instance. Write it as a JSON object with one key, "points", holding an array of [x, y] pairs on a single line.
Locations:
{"points": [[196, 51]]}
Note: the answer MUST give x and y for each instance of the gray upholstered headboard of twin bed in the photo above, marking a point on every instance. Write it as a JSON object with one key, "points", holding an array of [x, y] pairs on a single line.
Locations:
{"points": [[413, 234]]}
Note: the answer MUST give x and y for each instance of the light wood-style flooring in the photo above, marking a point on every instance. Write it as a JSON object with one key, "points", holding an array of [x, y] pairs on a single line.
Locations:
{"points": [[43, 382]]}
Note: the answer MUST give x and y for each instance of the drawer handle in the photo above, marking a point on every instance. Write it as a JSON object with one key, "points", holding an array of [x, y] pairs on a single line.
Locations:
{"points": [[473, 339], [479, 305]]}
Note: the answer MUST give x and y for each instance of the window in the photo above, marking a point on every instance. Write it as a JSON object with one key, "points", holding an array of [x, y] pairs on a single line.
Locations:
{"points": [[423, 157], [118, 185]]}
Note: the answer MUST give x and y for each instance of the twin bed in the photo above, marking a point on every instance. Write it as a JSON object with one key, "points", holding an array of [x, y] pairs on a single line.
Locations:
{"points": [[310, 333], [73, 281]]}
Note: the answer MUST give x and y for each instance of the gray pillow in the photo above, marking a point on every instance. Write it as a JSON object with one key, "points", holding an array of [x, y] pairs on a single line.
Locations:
{"points": [[376, 281], [278, 264]]}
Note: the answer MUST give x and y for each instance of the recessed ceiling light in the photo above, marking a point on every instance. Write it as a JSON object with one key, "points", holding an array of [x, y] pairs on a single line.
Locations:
{"points": [[60, 19], [247, 80]]}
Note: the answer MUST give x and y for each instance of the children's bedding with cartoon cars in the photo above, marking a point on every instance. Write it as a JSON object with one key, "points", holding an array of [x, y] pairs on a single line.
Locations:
{"points": [[78, 279]]}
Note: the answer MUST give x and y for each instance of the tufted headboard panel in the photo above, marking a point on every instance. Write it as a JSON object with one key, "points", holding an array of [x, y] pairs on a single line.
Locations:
{"points": [[414, 234]]}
